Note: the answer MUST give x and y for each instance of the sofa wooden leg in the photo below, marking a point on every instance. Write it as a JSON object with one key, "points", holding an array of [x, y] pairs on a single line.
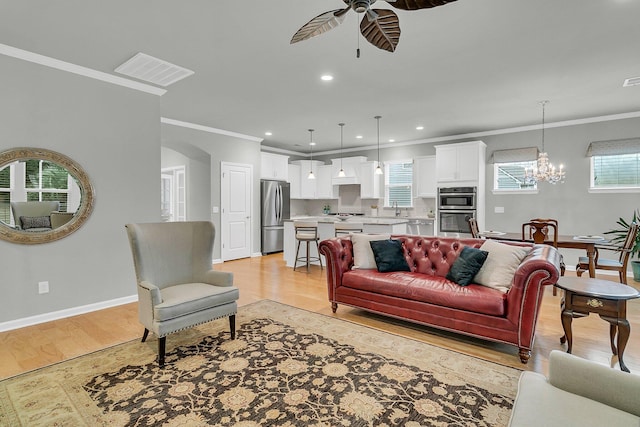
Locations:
{"points": [[232, 326], [161, 349], [334, 306], [524, 355]]}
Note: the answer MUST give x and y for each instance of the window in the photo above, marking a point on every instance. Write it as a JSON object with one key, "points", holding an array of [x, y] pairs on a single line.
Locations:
{"points": [[510, 169], [618, 171], [398, 184], [510, 176], [6, 187], [173, 204], [615, 165]]}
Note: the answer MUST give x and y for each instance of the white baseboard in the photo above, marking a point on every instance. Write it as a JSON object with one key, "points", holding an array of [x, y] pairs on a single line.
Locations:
{"points": [[61, 314], [256, 254]]}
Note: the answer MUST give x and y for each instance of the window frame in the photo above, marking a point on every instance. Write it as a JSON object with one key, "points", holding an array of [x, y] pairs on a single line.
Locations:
{"points": [[387, 186], [495, 190], [611, 190]]}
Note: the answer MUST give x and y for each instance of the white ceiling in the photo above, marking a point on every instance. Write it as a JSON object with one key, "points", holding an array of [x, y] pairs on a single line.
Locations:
{"points": [[469, 66]]}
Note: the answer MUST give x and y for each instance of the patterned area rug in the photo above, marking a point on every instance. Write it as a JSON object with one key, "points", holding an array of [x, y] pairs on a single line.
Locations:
{"points": [[287, 367]]}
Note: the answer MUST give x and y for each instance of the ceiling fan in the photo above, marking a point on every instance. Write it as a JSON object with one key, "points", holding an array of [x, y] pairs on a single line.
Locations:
{"points": [[380, 27]]}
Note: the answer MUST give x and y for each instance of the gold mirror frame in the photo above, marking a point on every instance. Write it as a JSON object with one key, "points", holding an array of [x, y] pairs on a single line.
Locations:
{"points": [[86, 200]]}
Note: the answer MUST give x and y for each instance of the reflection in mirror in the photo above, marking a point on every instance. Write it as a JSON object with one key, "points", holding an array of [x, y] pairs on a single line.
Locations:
{"points": [[44, 195]]}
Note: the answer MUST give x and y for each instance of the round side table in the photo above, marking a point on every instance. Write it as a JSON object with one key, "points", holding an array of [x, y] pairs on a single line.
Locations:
{"points": [[608, 299]]}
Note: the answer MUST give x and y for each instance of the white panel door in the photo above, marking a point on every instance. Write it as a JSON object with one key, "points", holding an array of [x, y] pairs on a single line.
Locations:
{"points": [[236, 210]]}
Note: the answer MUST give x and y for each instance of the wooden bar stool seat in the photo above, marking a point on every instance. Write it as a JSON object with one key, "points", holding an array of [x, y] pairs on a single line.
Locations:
{"points": [[342, 228], [307, 232]]}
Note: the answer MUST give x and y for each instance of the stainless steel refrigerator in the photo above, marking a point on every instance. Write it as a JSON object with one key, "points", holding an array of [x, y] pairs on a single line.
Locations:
{"points": [[274, 196]]}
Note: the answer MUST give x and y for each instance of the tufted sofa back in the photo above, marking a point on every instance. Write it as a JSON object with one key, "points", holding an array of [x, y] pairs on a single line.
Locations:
{"points": [[433, 255]]}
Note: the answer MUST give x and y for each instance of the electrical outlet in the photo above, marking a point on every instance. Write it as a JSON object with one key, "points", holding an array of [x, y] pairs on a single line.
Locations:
{"points": [[43, 287], [498, 209]]}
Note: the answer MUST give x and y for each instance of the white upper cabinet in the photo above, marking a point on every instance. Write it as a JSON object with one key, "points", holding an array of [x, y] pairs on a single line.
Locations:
{"points": [[371, 185], [274, 166], [425, 181], [324, 187], [460, 163], [294, 179], [308, 187]]}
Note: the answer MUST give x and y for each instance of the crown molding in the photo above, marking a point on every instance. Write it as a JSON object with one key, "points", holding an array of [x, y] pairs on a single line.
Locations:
{"points": [[565, 123], [209, 129], [47, 61]]}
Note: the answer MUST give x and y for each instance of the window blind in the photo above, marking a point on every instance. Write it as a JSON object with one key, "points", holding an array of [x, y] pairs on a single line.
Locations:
{"points": [[398, 183], [515, 155], [614, 147]]}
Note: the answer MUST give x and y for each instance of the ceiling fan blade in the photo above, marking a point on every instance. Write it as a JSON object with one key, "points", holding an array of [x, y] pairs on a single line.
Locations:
{"points": [[320, 24], [383, 32], [417, 4]]}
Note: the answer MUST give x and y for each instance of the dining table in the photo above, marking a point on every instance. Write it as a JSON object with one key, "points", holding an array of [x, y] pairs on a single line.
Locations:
{"points": [[587, 243]]}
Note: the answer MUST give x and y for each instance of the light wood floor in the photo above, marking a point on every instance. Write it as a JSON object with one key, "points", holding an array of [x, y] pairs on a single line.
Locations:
{"points": [[267, 277]]}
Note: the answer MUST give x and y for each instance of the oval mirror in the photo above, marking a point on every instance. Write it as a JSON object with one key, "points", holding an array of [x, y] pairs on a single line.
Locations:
{"points": [[44, 195]]}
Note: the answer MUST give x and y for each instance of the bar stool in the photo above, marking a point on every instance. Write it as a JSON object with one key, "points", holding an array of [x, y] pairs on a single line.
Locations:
{"points": [[306, 231], [348, 227]]}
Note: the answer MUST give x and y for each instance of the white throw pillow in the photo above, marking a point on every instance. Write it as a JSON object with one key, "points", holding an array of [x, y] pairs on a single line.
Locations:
{"points": [[363, 258], [501, 264]]}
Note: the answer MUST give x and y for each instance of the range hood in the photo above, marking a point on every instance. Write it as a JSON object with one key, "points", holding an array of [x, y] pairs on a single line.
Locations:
{"points": [[347, 180], [351, 167]]}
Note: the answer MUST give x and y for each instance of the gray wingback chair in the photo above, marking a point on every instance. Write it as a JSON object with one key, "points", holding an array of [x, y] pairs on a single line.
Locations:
{"points": [[177, 288]]}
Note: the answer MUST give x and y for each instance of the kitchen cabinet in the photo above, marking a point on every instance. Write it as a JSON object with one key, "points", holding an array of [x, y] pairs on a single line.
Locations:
{"points": [[308, 187], [371, 185], [324, 186], [294, 180], [426, 183], [460, 164], [274, 166]]}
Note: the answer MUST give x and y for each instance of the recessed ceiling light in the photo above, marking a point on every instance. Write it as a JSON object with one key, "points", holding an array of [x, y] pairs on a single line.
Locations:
{"points": [[631, 82], [392, 140], [327, 77], [268, 133], [358, 136], [419, 127], [312, 143]]}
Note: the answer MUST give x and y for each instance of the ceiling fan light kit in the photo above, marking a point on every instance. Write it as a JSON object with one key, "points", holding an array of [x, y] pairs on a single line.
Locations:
{"points": [[381, 27]]}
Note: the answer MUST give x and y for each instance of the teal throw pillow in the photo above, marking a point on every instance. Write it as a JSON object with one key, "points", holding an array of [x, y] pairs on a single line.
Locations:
{"points": [[389, 255], [467, 265]]}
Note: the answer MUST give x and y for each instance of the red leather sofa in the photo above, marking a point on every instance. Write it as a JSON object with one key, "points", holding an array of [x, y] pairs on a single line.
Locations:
{"points": [[423, 295]]}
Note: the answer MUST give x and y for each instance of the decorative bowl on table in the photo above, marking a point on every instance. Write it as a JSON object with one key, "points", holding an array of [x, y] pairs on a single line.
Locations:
{"points": [[343, 217]]}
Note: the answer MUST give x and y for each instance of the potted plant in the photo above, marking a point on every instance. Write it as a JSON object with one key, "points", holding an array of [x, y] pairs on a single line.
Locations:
{"points": [[619, 236]]}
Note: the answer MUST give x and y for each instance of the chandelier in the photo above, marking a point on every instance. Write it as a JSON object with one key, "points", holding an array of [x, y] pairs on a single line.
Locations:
{"points": [[544, 169]]}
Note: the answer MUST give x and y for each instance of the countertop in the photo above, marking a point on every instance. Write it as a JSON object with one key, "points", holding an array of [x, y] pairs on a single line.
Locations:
{"points": [[386, 220]]}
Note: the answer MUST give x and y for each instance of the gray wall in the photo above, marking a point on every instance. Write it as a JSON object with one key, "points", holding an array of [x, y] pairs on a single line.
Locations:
{"points": [[114, 134], [198, 178], [221, 148]]}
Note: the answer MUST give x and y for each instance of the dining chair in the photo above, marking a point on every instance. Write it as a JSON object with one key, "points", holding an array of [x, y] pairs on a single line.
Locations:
{"points": [[544, 231], [473, 225], [619, 265], [177, 287]]}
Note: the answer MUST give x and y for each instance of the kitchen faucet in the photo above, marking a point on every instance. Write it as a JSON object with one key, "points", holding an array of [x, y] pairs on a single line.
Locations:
{"points": [[395, 205]]}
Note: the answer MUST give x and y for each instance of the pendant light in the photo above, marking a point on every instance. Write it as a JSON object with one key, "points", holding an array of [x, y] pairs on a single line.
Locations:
{"points": [[341, 174], [544, 169], [311, 143], [379, 167]]}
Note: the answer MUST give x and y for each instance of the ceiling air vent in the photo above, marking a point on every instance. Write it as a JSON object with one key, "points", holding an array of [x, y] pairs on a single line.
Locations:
{"points": [[153, 70], [633, 81]]}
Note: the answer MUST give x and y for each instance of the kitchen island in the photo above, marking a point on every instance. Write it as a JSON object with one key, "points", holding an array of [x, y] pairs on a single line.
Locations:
{"points": [[326, 230]]}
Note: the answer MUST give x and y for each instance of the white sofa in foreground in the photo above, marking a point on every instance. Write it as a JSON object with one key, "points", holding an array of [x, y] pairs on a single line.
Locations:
{"points": [[578, 392]]}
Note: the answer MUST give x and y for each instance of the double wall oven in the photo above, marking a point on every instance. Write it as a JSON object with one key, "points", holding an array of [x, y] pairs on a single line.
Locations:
{"points": [[455, 206]]}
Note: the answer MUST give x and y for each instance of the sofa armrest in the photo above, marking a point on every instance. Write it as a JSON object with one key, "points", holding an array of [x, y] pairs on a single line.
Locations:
{"points": [[338, 252], [538, 269], [218, 278], [594, 381]]}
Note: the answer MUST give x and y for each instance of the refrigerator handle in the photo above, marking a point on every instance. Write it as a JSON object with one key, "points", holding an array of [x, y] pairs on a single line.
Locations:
{"points": [[277, 204], [280, 204]]}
